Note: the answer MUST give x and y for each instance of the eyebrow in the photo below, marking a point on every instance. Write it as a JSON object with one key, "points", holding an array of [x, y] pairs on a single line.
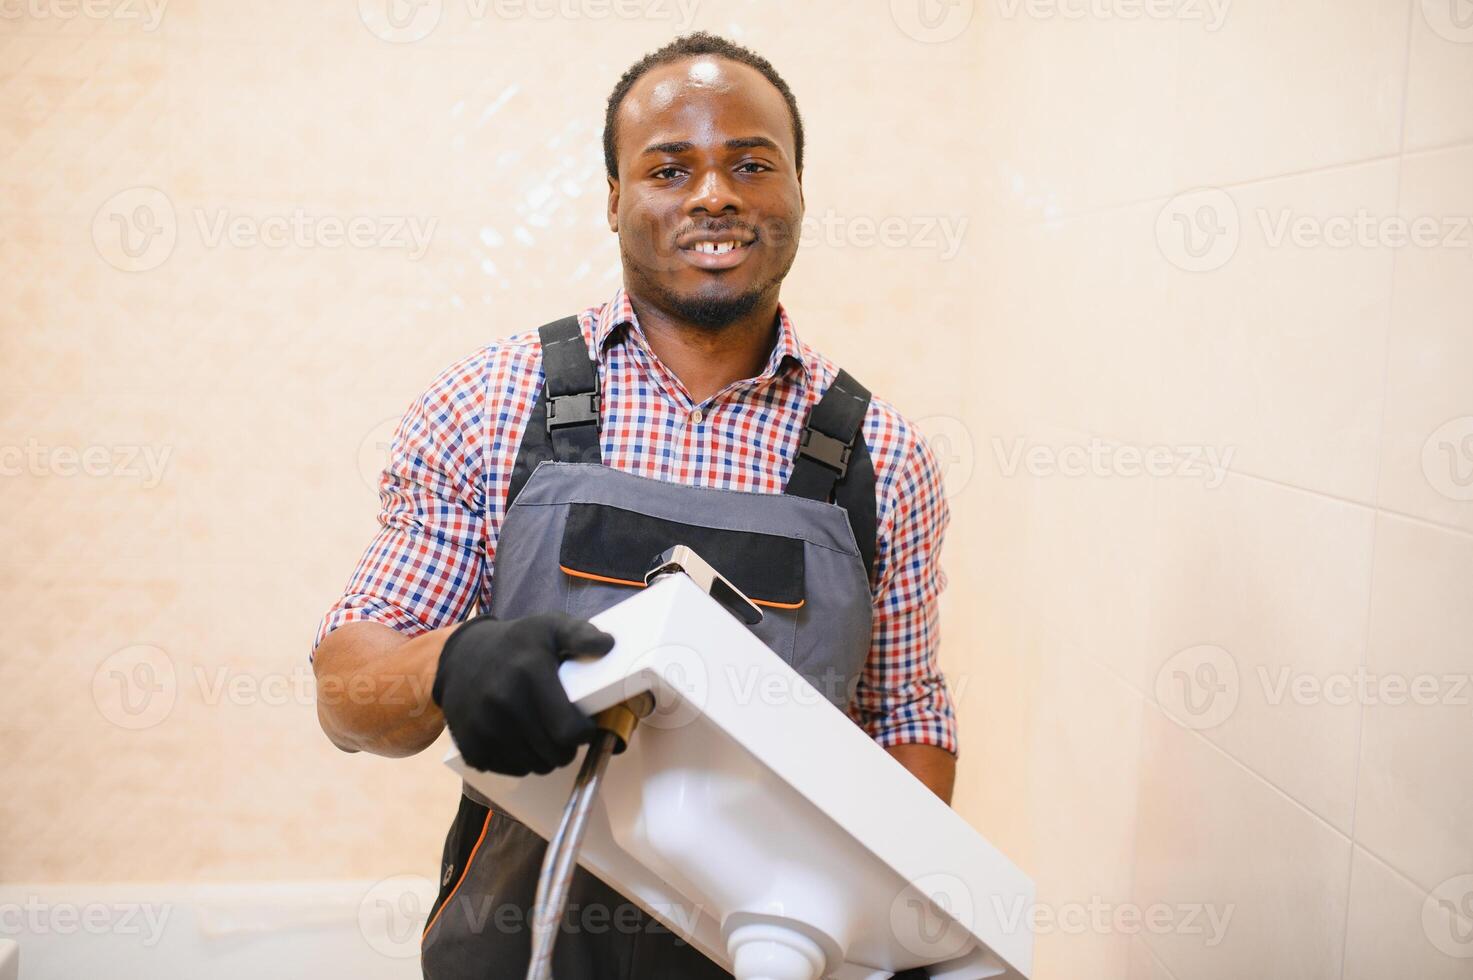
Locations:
{"points": [[740, 143]]}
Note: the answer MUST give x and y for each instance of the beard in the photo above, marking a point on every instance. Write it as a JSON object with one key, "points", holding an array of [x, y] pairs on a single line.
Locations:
{"points": [[709, 311]]}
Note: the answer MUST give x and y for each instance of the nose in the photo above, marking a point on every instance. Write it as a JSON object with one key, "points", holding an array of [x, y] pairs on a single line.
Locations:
{"points": [[712, 192]]}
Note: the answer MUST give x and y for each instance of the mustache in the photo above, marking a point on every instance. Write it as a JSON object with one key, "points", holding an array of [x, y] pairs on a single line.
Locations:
{"points": [[688, 232]]}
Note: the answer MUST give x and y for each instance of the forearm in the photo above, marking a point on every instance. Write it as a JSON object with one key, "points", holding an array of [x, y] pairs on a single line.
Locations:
{"points": [[933, 766], [373, 688]]}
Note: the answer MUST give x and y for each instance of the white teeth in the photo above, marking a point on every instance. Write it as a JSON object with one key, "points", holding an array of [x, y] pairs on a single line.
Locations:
{"points": [[716, 248]]}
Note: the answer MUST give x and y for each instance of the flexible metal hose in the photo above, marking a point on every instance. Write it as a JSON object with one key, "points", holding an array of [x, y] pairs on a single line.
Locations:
{"points": [[562, 856], [615, 727]]}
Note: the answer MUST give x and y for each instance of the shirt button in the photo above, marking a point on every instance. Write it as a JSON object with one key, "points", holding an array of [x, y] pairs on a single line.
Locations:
{"points": [[696, 416]]}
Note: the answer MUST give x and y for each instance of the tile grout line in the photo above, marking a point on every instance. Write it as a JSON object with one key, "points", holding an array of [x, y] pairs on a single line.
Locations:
{"points": [[1096, 210], [1365, 654], [1284, 484], [1150, 701], [1456, 143], [1416, 885], [1102, 209], [1160, 963], [1373, 508]]}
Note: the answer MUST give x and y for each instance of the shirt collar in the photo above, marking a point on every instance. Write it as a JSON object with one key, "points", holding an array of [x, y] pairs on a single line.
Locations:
{"points": [[619, 312]]}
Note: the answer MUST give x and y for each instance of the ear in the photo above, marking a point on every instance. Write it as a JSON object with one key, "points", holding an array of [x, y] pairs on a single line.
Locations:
{"points": [[613, 205]]}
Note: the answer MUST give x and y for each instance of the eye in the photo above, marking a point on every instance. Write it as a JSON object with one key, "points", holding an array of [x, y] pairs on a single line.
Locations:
{"points": [[753, 163], [660, 174]]}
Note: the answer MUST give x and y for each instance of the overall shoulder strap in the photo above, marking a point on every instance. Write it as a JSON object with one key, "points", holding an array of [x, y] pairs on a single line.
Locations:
{"points": [[563, 424], [834, 463]]}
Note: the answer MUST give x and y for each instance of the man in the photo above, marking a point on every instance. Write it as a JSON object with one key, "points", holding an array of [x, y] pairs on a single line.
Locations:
{"points": [[684, 410]]}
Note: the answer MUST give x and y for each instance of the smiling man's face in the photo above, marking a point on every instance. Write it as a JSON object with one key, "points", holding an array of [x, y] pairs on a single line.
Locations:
{"points": [[709, 201]]}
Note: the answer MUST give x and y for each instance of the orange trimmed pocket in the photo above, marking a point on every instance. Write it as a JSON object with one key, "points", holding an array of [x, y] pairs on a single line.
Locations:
{"points": [[613, 545], [464, 871]]}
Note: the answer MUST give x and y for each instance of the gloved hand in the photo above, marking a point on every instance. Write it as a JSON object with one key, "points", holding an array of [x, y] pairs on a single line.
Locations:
{"points": [[498, 687]]}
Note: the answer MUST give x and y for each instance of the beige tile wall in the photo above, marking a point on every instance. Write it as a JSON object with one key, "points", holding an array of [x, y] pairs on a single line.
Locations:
{"points": [[1125, 649], [1217, 627]]}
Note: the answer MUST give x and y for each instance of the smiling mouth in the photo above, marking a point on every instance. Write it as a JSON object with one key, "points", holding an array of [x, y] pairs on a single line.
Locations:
{"points": [[717, 255], [716, 248]]}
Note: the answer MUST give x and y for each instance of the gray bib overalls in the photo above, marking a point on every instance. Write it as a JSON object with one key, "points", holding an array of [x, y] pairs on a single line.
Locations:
{"points": [[578, 536]]}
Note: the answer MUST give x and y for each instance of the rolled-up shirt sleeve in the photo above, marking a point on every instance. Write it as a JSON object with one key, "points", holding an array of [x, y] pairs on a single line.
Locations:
{"points": [[425, 566], [902, 697]]}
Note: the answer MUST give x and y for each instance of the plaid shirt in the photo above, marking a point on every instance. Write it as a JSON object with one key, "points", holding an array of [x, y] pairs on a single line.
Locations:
{"points": [[443, 494]]}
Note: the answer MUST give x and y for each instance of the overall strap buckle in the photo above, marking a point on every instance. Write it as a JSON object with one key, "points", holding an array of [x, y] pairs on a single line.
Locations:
{"points": [[833, 463], [826, 450], [564, 425], [826, 447], [579, 408]]}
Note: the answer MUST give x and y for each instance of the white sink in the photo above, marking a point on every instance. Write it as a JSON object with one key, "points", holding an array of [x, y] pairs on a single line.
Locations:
{"points": [[755, 820]]}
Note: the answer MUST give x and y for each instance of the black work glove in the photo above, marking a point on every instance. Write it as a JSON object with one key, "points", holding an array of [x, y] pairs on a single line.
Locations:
{"points": [[497, 684]]}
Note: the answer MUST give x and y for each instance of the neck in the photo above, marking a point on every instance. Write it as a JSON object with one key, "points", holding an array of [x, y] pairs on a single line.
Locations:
{"points": [[706, 360]]}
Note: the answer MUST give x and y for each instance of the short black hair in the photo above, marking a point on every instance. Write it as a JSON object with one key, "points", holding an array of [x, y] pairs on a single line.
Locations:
{"points": [[690, 46]]}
